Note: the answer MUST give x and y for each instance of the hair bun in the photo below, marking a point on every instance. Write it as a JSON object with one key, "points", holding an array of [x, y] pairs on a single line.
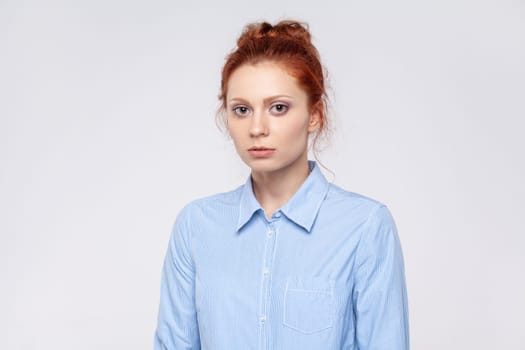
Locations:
{"points": [[291, 30]]}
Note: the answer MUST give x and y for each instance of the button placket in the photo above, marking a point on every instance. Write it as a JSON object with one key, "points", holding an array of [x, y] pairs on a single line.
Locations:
{"points": [[266, 279]]}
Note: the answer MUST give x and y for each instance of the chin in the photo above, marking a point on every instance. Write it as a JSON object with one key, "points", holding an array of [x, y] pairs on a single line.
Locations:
{"points": [[261, 165], [267, 165]]}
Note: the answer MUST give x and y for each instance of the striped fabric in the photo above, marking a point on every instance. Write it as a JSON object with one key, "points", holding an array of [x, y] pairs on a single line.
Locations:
{"points": [[325, 272]]}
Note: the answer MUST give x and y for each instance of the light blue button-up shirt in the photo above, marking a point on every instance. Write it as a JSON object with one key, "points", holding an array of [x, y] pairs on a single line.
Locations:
{"points": [[325, 273]]}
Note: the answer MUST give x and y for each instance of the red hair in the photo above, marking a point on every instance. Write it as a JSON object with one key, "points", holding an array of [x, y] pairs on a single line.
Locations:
{"points": [[287, 43]]}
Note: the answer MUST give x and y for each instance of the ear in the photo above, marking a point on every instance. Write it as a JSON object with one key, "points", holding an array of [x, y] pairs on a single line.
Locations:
{"points": [[315, 119]]}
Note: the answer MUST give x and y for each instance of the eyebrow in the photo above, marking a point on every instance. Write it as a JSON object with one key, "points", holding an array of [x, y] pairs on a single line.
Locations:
{"points": [[265, 100]]}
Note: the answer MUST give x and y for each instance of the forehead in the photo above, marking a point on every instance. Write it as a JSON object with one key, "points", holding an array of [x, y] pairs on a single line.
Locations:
{"points": [[257, 81]]}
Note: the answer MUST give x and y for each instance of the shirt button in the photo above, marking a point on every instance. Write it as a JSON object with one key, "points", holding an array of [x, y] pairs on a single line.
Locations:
{"points": [[266, 272], [262, 318], [270, 233], [277, 215]]}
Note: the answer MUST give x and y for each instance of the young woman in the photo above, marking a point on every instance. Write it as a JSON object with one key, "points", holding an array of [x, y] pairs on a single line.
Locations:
{"points": [[287, 260]]}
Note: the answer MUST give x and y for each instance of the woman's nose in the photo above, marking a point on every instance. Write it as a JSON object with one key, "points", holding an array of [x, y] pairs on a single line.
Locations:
{"points": [[259, 125]]}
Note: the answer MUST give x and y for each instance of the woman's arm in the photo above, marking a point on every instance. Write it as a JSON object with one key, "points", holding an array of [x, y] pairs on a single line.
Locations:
{"points": [[380, 297], [177, 319]]}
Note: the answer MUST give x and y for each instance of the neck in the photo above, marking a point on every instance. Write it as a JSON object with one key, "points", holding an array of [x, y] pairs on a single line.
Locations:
{"points": [[274, 189]]}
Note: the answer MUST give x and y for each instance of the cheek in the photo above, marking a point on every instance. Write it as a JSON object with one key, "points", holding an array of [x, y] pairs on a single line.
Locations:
{"points": [[233, 131], [296, 130], [237, 137]]}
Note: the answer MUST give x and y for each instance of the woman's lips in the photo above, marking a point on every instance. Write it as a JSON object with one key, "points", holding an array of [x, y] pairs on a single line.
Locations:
{"points": [[261, 152]]}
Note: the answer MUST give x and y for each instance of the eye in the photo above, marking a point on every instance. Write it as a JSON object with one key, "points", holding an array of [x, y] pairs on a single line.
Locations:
{"points": [[241, 111], [279, 109]]}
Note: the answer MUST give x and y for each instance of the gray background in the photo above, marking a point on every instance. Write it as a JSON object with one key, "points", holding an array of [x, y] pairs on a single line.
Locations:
{"points": [[107, 130]]}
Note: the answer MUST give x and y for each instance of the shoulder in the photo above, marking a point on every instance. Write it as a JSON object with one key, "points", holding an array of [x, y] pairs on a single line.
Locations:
{"points": [[364, 213], [377, 233], [352, 202], [206, 206]]}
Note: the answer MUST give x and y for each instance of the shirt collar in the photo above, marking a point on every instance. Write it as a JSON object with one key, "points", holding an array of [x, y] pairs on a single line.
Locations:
{"points": [[302, 208]]}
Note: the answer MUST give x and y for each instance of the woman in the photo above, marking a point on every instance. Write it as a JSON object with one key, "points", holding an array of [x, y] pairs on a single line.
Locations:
{"points": [[288, 260]]}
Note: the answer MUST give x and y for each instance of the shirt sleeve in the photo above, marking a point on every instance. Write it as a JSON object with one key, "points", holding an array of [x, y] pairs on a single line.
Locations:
{"points": [[379, 295], [177, 327]]}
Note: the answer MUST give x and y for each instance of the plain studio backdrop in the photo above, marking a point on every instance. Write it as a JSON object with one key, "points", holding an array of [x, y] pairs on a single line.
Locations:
{"points": [[107, 129]]}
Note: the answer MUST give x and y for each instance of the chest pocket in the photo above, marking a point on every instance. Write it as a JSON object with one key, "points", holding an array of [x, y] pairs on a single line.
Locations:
{"points": [[308, 304]]}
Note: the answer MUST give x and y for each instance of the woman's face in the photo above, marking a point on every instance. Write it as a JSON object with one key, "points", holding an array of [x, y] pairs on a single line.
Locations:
{"points": [[268, 117]]}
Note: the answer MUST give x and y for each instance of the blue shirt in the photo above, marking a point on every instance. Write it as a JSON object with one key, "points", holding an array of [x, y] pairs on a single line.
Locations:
{"points": [[325, 273]]}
